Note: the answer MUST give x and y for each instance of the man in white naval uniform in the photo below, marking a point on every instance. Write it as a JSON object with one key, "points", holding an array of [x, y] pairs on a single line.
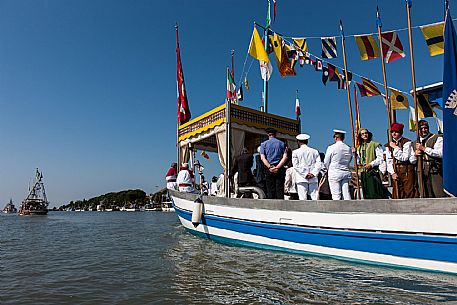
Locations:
{"points": [[185, 179], [306, 164], [337, 160]]}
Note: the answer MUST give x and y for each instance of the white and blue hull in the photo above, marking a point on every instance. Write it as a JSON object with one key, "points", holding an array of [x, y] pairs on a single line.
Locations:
{"points": [[425, 239]]}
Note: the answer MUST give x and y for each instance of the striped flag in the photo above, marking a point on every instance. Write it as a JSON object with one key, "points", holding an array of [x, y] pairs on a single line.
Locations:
{"points": [[368, 47], [333, 74], [231, 87], [434, 37], [392, 48], [329, 47], [297, 106], [368, 88], [342, 80]]}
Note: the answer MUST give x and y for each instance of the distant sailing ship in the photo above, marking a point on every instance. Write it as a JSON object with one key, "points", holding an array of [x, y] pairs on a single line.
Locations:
{"points": [[10, 208], [36, 202]]}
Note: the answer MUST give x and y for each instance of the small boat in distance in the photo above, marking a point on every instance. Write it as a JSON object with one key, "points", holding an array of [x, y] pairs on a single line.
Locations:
{"points": [[9, 208], [36, 202]]}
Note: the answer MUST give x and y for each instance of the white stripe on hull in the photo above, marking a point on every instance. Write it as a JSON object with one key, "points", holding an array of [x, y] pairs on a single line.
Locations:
{"points": [[410, 223], [338, 253]]}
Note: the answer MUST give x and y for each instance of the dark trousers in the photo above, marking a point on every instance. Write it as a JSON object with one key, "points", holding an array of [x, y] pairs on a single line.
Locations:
{"points": [[275, 184]]}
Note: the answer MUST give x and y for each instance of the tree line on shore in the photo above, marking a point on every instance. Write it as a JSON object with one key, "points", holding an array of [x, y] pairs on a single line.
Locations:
{"points": [[125, 198]]}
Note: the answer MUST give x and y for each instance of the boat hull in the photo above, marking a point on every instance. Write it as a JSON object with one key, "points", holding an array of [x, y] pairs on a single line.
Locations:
{"points": [[33, 212], [419, 234]]}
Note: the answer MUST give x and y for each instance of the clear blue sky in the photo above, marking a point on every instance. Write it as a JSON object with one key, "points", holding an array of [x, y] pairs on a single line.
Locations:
{"points": [[88, 88]]}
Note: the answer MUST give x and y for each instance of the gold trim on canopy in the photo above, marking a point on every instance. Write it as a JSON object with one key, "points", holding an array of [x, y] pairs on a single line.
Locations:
{"points": [[241, 115]]}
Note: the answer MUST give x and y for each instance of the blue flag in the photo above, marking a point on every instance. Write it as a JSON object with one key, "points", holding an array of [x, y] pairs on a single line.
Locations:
{"points": [[450, 108]]}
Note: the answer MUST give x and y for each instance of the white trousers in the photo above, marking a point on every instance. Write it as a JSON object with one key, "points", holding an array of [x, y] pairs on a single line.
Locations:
{"points": [[172, 185], [338, 187], [305, 188]]}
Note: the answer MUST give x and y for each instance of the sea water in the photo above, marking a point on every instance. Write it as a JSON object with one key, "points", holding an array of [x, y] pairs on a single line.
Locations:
{"points": [[148, 258]]}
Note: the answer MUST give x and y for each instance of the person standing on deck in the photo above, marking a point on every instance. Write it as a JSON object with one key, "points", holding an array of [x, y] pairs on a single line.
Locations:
{"points": [[337, 159], [243, 165], [307, 164], [185, 179], [403, 172], [370, 156], [431, 148], [274, 156], [171, 177]]}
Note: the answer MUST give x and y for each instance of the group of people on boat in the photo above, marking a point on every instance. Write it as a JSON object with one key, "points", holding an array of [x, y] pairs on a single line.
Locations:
{"points": [[304, 173]]}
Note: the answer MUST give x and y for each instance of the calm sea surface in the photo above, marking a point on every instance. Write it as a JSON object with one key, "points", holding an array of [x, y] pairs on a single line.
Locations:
{"points": [[147, 258]]}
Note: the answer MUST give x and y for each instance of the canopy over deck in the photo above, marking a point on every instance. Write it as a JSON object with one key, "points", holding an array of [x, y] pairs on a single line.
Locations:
{"points": [[247, 129]]}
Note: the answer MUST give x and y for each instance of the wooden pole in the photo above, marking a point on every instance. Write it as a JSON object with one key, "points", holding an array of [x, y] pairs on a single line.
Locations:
{"points": [[391, 117], [348, 91], [265, 82], [177, 119], [227, 145], [413, 78]]}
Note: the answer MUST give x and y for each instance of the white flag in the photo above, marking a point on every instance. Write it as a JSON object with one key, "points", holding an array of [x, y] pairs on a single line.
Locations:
{"points": [[266, 69]]}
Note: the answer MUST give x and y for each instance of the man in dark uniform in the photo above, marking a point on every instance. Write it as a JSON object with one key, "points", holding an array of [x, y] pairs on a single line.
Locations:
{"points": [[431, 150], [274, 156], [242, 165]]}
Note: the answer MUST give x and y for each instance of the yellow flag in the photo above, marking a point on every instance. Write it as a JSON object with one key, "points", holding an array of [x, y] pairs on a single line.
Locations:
{"points": [[412, 119], [276, 41], [398, 100], [256, 47], [434, 37], [301, 44], [368, 48]]}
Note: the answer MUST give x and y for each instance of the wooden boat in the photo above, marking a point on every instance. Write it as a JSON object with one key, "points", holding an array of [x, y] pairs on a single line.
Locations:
{"points": [[413, 233], [10, 208], [36, 202]]}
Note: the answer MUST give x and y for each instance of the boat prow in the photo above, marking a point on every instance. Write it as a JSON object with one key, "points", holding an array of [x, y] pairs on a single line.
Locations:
{"points": [[415, 233]]}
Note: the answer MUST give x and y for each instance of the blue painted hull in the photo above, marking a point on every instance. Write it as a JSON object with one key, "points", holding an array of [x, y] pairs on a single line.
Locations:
{"points": [[427, 248]]}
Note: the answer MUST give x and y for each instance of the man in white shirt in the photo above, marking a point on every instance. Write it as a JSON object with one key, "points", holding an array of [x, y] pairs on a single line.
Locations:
{"points": [[431, 150], [402, 169], [185, 179], [306, 163], [337, 159]]}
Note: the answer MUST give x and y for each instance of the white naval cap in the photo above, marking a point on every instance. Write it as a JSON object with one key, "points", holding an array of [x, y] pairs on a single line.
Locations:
{"points": [[339, 131], [185, 164], [303, 137]]}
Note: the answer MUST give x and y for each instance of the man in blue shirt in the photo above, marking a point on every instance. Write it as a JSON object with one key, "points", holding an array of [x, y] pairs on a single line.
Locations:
{"points": [[273, 155]]}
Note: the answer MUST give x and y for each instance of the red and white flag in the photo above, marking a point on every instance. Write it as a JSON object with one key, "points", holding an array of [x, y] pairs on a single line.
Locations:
{"points": [[392, 48], [183, 106], [297, 107], [231, 87]]}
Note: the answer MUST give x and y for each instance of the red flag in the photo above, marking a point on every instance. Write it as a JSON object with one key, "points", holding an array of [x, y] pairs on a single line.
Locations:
{"points": [[183, 106], [392, 48], [274, 10], [297, 107]]}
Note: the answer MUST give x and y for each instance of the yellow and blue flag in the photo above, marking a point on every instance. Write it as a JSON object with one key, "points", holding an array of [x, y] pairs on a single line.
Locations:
{"points": [[450, 108]]}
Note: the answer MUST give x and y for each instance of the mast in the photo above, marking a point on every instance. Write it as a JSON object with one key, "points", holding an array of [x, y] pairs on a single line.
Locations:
{"points": [[178, 149], [265, 82], [348, 91], [391, 117], [413, 78], [227, 144]]}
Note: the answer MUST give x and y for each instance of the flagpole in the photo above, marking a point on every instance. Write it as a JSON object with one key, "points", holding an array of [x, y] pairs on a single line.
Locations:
{"points": [[178, 150], [357, 113], [265, 82], [413, 78], [391, 117], [348, 91], [390, 113], [297, 115], [227, 144]]}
